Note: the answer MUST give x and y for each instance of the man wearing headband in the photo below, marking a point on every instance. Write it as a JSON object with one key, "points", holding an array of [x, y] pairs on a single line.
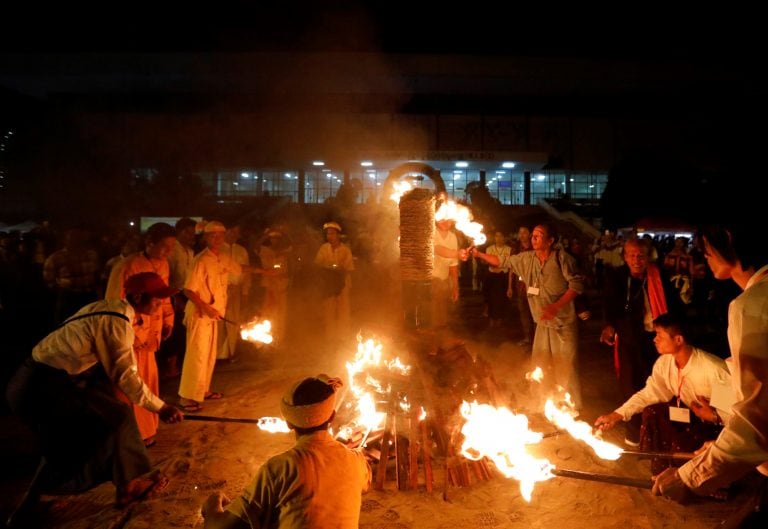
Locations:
{"points": [[317, 483]]}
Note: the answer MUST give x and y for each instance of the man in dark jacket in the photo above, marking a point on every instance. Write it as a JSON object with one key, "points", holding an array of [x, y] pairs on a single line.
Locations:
{"points": [[634, 295]]}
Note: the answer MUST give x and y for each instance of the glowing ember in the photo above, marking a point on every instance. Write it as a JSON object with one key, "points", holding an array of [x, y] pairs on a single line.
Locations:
{"points": [[537, 374], [273, 425], [502, 436], [399, 189], [257, 331], [450, 210]]}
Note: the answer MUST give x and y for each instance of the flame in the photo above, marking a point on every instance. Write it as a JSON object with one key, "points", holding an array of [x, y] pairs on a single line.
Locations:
{"points": [[450, 210], [370, 356], [564, 418], [536, 375], [399, 189], [273, 425], [502, 436], [257, 331]]}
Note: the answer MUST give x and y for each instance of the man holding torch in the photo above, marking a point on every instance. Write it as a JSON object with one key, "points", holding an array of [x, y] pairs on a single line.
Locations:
{"points": [[65, 390], [553, 284]]}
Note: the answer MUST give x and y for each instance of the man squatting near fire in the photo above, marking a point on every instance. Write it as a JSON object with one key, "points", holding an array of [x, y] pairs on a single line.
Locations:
{"points": [[553, 284], [735, 249], [317, 483], [65, 391], [683, 380]]}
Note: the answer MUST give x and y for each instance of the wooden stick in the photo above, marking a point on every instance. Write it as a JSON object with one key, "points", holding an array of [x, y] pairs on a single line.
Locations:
{"points": [[381, 469], [685, 456], [426, 455], [604, 478], [210, 418], [413, 447]]}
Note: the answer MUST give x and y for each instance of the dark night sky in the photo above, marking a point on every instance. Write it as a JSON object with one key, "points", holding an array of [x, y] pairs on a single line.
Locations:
{"points": [[644, 31]]}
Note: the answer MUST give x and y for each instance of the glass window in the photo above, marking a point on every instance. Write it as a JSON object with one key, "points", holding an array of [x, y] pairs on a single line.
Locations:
{"points": [[320, 185]]}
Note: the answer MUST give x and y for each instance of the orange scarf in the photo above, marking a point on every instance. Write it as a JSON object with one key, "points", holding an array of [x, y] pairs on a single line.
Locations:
{"points": [[656, 299], [656, 291]]}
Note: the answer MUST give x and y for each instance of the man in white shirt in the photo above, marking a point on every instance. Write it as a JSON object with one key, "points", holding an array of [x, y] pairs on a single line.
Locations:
{"points": [[735, 250], [683, 380], [65, 390], [445, 272]]}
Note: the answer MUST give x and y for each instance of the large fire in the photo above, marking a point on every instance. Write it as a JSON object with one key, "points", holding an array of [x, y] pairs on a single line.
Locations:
{"points": [[503, 437], [450, 210], [364, 380]]}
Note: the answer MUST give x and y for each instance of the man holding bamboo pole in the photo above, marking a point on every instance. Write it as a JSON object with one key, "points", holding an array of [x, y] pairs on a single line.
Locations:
{"points": [[683, 380]]}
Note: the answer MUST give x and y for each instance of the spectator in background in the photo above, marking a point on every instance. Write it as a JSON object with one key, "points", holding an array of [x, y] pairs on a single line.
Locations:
{"points": [[275, 255], [180, 263], [159, 241], [634, 295], [496, 283], [335, 262], [520, 290], [73, 274], [238, 287]]}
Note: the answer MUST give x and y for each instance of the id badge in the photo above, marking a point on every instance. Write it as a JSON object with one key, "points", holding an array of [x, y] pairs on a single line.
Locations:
{"points": [[533, 291], [679, 414]]}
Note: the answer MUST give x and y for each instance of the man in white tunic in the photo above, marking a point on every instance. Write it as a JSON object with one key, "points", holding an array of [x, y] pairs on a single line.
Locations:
{"points": [[206, 289], [445, 272], [334, 258]]}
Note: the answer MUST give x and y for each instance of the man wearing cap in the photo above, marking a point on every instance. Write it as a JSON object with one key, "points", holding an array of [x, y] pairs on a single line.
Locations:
{"points": [[317, 483], [274, 254], [206, 289], [335, 259], [65, 392]]}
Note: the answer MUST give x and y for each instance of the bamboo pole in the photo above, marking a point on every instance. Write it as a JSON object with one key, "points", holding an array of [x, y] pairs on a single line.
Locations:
{"points": [[684, 456], [604, 478]]}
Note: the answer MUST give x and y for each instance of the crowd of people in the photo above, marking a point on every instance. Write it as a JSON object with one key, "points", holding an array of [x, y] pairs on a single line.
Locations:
{"points": [[174, 296]]}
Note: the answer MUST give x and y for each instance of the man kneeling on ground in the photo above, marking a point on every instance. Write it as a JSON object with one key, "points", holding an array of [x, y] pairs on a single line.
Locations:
{"points": [[683, 380]]}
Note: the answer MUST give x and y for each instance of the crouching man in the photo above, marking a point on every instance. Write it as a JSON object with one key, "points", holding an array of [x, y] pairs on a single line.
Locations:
{"points": [[675, 402], [317, 483], [65, 392]]}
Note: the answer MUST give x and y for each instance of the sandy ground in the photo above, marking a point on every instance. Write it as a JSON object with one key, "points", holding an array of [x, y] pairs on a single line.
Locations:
{"points": [[201, 457]]}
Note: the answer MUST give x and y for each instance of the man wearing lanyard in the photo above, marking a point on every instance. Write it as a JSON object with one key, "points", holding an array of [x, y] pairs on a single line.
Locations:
{"points": [[684, 379], [553, 283]]}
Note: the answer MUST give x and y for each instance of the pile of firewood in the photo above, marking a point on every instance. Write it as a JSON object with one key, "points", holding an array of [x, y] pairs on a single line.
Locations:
{"points": [[443, 374]]}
